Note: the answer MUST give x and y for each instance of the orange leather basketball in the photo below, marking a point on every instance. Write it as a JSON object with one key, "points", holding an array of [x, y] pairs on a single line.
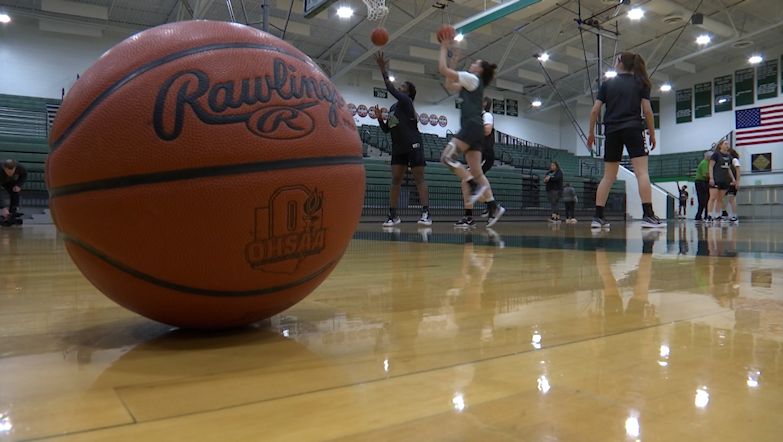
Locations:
{"points": [[446, 32], [205, 174], [379, 36]]}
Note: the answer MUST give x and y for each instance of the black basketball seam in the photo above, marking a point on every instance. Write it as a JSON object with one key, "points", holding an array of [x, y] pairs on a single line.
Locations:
{"points": [[194, 290], [156, 63], [201, 172]]}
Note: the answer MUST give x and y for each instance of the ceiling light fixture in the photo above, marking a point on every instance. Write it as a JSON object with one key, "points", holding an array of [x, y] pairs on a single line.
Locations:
{"points": [[543, 57], [345, 12], [459, 37], [636, 14], [610, 74], [5, 18], [755, 59], [536, 103], [666, 87], [703, 39]]}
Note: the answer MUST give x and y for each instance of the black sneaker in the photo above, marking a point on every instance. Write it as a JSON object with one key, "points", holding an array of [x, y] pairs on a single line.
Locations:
{"points": [[485, 213], [599, 223], [652, 222], [465, 223]]}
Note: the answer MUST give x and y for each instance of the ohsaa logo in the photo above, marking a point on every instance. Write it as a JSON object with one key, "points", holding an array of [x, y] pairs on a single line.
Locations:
{"points": [[288, 230]]}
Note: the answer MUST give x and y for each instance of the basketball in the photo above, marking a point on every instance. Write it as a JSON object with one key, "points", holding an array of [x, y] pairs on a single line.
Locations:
{"points": [[446, 32], [379, 37], [205, 174]]}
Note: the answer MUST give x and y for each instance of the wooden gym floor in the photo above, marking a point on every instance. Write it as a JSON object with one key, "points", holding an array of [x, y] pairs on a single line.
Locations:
{"points": [[535, 333]]}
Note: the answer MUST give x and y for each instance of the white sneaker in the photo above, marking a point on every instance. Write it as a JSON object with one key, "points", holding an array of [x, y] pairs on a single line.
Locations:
{"points": [[652, 222], [425, 219], [499, 211], [390, 222]]}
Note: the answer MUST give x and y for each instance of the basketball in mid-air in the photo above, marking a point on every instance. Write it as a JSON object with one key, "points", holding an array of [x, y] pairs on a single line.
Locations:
{"points": [[205, 174], [379, 37]]}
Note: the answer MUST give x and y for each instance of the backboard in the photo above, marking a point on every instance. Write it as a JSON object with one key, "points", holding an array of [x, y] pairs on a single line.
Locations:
{"points": [[314, 7]]}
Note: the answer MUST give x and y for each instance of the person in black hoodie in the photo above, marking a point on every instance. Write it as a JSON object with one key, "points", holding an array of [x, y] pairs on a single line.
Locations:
{"points": [[12, 178], [554, 187], [407, 151]]}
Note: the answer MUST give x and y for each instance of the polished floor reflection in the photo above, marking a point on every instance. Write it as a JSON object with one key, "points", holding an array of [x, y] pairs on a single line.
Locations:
{"points": [[526, 332]]}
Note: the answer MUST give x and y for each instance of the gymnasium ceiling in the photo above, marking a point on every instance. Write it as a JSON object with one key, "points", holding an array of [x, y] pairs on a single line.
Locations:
{"points": [[341, 45]]}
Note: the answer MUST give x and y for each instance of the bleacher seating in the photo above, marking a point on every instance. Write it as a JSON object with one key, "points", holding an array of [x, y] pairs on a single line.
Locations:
{"points": [[521, 194], [672, 167], [25, 123], [24, 129]]}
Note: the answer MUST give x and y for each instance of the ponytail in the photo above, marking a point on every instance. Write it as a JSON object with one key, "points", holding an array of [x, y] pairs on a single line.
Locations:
{"points": [[640, 70], [635, 63]]}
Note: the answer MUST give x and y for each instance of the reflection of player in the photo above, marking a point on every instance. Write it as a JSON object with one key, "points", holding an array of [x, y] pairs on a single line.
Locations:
{"points": [[639, 310], [683, 239], [467, 289]]}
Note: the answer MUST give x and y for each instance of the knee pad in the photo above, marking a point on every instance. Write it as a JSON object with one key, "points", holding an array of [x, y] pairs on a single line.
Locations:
{"points": [[449, 156]]}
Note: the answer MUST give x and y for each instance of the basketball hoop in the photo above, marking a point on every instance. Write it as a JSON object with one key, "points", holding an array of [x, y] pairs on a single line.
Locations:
{"points": [[376, 9]]}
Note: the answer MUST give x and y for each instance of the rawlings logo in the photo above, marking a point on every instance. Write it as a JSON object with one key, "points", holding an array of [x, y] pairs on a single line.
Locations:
{"points": [[232, 102]]}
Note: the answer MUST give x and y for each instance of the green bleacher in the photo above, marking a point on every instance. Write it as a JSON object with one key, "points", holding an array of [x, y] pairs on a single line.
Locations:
{"points": [[24, 129], [25, 123]]}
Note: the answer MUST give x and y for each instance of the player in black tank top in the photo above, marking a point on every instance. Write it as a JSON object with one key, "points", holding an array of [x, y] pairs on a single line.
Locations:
{"points": [[470, 138], [407, 151]]}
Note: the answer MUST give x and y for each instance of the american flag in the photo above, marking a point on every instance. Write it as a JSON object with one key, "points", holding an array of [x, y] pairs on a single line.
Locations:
{"points": [[760, 125]]}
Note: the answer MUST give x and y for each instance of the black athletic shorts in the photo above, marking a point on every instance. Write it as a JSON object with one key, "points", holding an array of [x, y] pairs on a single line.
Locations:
{"points": [[413, 158], [631, 138], [720, 185], [732, 191], [472, 135], [683, 203], [487, 159]]}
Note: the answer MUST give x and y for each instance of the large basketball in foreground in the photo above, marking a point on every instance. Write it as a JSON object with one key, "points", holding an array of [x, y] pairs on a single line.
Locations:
{"points": [[205, 174]]}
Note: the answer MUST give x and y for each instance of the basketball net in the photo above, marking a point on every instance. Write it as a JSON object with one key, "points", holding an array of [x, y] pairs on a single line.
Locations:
{"points": [[376, 9]]}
